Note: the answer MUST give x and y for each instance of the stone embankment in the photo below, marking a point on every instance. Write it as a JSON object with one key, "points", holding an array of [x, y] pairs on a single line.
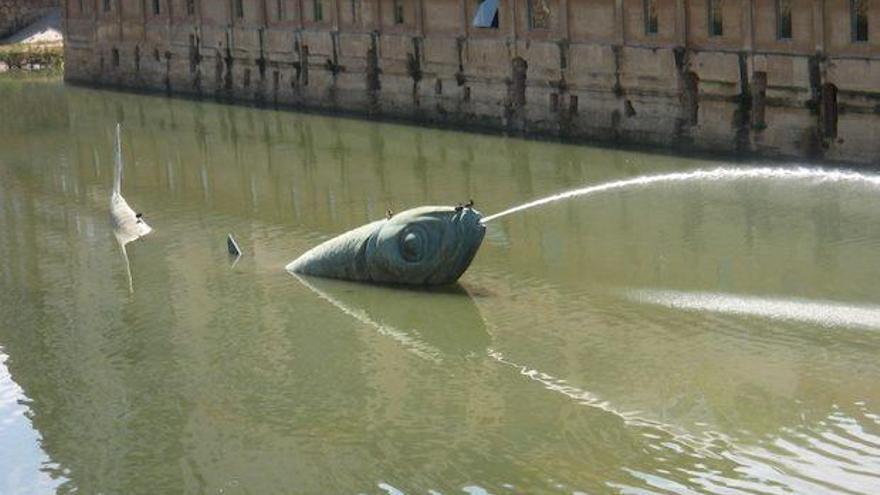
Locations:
{"points": [[37, 46], [18, 14], [782, 79]]}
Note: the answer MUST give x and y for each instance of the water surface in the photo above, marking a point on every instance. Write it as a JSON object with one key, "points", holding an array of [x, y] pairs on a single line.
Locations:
{"points": [[684, 337]]}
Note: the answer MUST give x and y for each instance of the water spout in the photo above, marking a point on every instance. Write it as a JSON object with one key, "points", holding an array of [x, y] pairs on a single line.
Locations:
{"points": [[717, 174]]}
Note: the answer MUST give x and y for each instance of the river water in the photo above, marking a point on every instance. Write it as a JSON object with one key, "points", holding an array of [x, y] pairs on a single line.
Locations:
{"points": [[685, 337]]}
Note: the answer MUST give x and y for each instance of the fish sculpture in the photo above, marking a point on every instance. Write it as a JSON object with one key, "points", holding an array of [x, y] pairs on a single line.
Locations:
{"points": [[127, 225], [428, 245]]}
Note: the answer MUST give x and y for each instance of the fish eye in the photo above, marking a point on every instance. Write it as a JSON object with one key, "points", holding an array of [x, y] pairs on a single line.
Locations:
{"points": [[412, 242]]}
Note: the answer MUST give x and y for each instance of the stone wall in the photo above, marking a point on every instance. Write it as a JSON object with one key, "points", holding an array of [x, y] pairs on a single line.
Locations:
{"points": [[16, 14], [579, 69]]}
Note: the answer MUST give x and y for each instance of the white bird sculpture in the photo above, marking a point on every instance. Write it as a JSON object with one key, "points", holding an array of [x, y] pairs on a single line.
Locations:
{"points": [[128, 225]]}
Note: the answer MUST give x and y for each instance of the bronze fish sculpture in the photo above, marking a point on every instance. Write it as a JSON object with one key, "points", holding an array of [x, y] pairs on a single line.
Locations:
{"points": [[429, 245]]}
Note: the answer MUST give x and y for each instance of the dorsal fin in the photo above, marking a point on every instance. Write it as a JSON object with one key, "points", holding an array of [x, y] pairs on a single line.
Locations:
{"points": [[117, 175], [232, 246]]}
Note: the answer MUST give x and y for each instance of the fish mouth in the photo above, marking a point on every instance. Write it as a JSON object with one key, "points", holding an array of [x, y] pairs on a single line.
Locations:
{"points": [[470, 233]]}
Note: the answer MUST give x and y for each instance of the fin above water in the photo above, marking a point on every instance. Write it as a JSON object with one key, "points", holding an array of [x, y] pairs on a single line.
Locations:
{"points": [[232, 246]]}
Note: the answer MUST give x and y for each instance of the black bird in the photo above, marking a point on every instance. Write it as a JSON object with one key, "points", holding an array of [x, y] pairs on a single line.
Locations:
{"points": [[470, 204], [389, 214], [459, 207], [139, 217]]}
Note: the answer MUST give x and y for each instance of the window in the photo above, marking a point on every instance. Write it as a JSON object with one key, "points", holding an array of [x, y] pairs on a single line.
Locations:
{"points": [[190, 7], [106, 5], [156, 7], [716, 23], [859, 12], [282, 14], [81, 7], [239, 9], [650, 7], [539, 14], [318, 10], [783, 19], [398, 12], [487, 14]]}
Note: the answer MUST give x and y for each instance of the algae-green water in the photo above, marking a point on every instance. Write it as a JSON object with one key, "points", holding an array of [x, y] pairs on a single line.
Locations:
{"points": [[682, 337]]}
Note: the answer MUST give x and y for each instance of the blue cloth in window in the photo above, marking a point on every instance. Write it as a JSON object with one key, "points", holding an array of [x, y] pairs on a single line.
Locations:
{"points": [[487, 14]]}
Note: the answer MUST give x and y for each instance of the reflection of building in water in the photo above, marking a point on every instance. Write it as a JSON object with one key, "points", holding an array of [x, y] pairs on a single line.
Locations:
{"points": [[793, 77], [207, 377]]}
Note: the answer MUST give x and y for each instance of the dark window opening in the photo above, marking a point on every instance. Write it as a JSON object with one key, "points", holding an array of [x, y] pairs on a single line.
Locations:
{"points": [[282, 11], [190, 7], [573, 104], [486, 15], [247, 78], [156, 7], [106, 5], [115, 56], [539, 14], [318, 10], [651, 24], [859, 12], [716, 22], [783, 19], [81, 10], [554, 102], [398, 12], [239, 9]]}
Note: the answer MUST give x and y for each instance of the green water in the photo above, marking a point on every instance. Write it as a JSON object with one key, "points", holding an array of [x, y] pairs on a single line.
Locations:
{"points": [[690, 337]]}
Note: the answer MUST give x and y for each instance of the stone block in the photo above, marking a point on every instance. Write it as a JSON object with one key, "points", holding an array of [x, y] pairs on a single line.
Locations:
{"points": [[319, 43], [487, 58]]}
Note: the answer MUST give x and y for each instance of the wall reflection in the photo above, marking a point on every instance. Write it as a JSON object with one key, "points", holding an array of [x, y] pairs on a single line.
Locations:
{"points": [[212, 378]]}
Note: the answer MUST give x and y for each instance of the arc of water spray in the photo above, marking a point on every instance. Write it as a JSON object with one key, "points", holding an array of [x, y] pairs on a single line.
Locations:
{"points": [[717, 174]]}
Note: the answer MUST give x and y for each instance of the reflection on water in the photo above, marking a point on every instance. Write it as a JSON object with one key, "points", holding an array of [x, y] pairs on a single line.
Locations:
{"points": [[539, 377], [26, 470], [823, 313], [432, 323]]}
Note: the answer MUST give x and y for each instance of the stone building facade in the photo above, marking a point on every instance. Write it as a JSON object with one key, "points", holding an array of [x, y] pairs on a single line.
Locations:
{"points": [[16, 14], [784, 78]]}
